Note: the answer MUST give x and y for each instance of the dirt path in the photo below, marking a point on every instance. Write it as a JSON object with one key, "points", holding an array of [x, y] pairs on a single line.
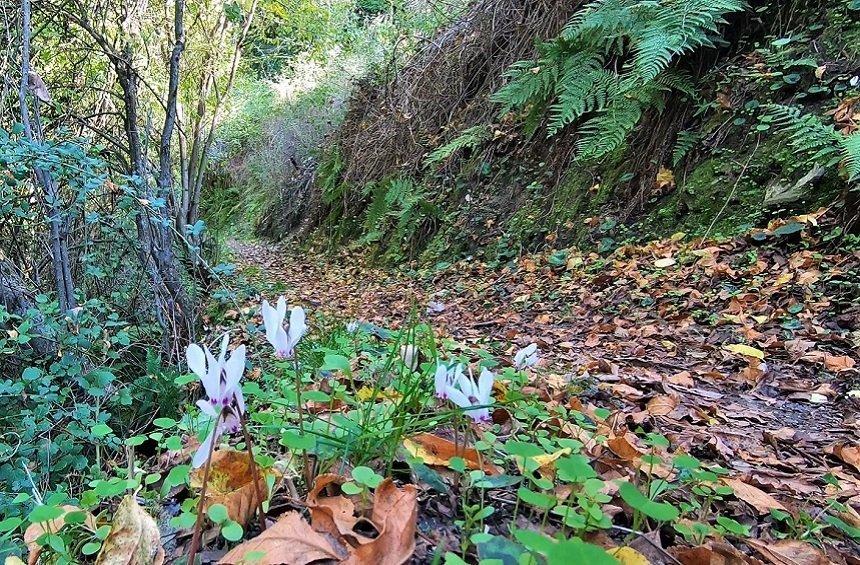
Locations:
{"points": [[743, 354]]}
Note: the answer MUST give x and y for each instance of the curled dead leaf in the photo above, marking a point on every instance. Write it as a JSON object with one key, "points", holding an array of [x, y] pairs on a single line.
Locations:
{"points": [[134, 538], [848, 453], [231, 484], [435, 450], [38, 87], [385, 536], [395, 510]]}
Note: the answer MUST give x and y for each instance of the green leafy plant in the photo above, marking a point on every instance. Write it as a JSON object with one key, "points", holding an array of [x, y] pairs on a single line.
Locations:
{"points": [[610, 64]]}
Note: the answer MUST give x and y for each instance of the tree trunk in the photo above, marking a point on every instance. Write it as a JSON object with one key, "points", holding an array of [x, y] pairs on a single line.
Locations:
{"points": [[155, 238], [15, 297], [59, 246]]}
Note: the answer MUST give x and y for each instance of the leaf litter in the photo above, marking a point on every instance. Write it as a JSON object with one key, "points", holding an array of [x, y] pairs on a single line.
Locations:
{"points": [[743, 352]]}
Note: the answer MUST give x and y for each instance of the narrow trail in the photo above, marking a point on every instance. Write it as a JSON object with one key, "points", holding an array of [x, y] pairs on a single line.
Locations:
{"points": [[742, 354]]}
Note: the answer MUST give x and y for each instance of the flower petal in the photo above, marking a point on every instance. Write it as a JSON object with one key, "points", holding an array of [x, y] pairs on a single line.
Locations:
{"points": [[196, 359], [202, 453], [457, 397], [233, 369], [282, 309], [485, 386], [207, 408], [298, 327], [440, 379]]}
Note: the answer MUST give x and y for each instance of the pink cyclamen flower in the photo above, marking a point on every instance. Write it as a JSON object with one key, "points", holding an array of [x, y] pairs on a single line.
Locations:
{"points": [[284, 341], [526, 357], [221, 381], [471, 396]]}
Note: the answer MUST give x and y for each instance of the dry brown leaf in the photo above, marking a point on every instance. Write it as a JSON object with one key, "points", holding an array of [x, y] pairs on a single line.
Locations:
{"points": [[396, 511], [789, 552], [336, 515], [35, 531], [38, 86], [134, 538], [623, 447], [662, 405], [435, 450], [393, 517], [289, 541], [231, 484], [848, 453], [713, 553], [755, 497]]}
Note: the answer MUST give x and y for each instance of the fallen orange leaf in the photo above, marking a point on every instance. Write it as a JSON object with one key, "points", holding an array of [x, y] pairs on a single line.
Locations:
{"points": [[230, 484], [435, 450], [754, 496], [289, 541]]}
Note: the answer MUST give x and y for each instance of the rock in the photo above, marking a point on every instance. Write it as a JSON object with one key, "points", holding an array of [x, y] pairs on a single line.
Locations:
{"points": [[778, 194]]}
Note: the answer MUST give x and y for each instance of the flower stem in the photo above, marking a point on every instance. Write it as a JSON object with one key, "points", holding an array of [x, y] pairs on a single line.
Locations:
{"points": [[198, 524], [255, 476], [305, 460]]}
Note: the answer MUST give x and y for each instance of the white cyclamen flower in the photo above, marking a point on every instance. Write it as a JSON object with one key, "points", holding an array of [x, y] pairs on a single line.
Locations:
{"points": [[221, 381], [284, 341], [526, 357], [446, 377], [465, 393], [352, 326]]}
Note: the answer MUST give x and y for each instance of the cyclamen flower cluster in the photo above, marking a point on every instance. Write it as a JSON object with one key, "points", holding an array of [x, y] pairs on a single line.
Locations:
{"points": [[221, 377], [452, 384]]}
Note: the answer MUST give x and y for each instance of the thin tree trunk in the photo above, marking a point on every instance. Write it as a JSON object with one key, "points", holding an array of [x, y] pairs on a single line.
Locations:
{"points": [[199, 167], [59, 247]]}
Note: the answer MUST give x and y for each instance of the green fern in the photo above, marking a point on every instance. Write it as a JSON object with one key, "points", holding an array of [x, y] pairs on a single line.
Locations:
{"points": [[610, 63], [851, 155], [470, 138], [813, 140], [807, 134], [684, 143]]}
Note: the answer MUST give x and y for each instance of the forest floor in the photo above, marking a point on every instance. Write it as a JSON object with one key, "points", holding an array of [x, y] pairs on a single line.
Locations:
{"points": [[743, 352]]}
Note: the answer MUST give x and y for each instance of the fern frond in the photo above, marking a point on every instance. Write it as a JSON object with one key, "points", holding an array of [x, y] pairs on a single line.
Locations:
{"points": [[807, 134], [851, 155], [528, 81], [607, 131], [684, 143], [471, 137]]}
